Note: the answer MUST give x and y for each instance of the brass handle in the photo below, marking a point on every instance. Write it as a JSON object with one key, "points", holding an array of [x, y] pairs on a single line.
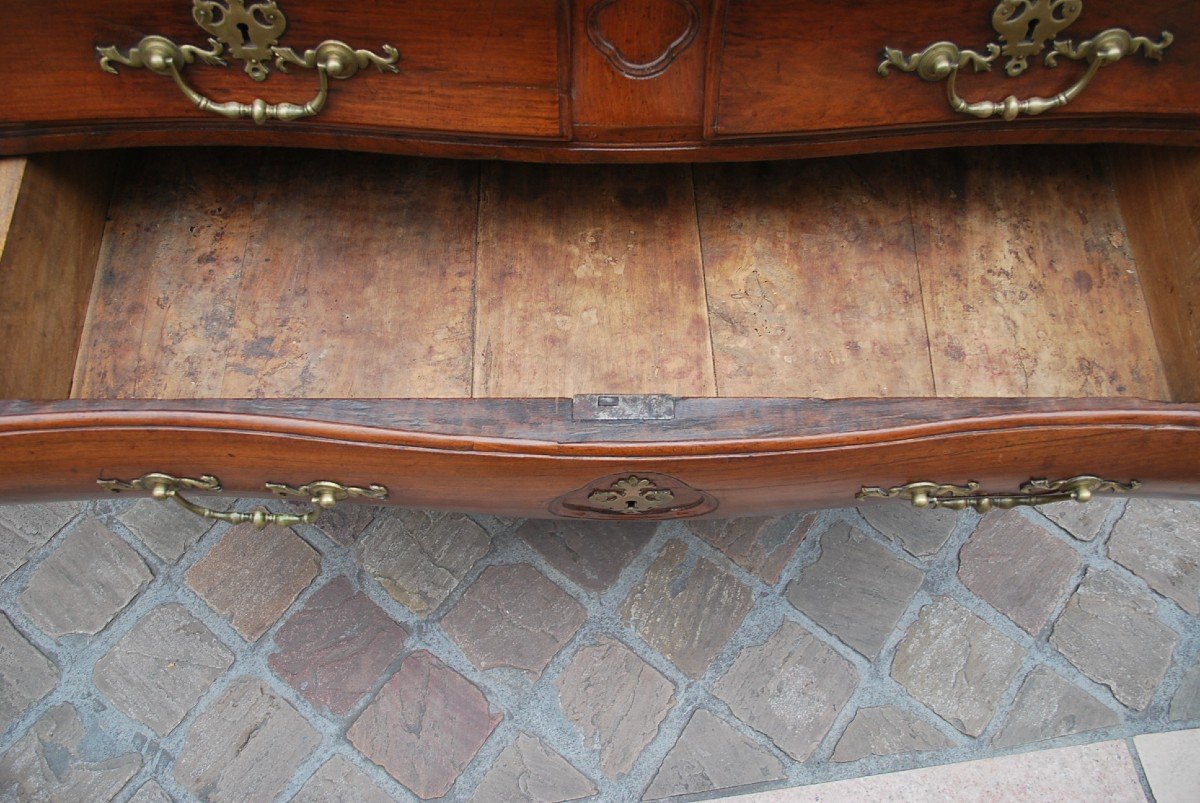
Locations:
{"points": [[322, 494], [252, 36], [1024, 27], [1035, 492]]}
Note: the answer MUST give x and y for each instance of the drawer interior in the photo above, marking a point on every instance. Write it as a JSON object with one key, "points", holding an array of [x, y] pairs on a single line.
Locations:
{"points": [[230, 273]]}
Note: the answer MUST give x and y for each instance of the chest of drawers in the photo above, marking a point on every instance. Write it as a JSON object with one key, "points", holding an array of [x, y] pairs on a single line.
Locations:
{"points": [[563, 258]]}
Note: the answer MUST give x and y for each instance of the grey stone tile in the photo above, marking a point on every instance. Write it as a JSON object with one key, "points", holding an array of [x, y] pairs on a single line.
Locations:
{"points": [[1185, 704], [167, 528], [712, 755], [1110, 631], [26, 675], [686, 609], [1018, 568], [1047, 706], [791, 688], [24, 528], [244, 746], [1082, 521], [530, 772], [232, 578], [51, 763], [334, 649], [887, 731], [425, 725], [161, 668], [1159, 541], [762, 545], [85, 582], [857, 589], [513, 616], [957, 664], [591, 553], [345, 523], [419, 559], [339, 781], [615, 700], [921, 532], [151, 792]]}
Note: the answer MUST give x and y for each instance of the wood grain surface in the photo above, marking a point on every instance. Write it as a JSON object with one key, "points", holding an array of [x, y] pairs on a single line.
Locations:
{"points": [[590, 281], [812, 283], [51, 220], [1160, 198], [1029, 285]]}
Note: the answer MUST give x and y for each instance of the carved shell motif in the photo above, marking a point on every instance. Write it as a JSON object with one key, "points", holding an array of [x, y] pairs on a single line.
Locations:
{"points": [[681, 23]]}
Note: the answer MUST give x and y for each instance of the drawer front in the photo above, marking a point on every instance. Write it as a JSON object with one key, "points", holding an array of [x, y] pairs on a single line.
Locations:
{"points": [[783, 67], [465, 67], [718, 458]]}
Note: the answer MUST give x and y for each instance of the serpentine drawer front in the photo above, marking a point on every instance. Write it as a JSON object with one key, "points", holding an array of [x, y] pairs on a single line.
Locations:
{"points": [[586, 80], [888, 322]]}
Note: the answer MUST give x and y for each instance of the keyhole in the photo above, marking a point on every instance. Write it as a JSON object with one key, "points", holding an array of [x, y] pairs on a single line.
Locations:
{"points": [[244, 29], [1028, 31], [631, 503]]}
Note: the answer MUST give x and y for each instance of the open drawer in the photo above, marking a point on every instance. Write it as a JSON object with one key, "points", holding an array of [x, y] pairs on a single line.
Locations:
{"points": [[603, 341]]}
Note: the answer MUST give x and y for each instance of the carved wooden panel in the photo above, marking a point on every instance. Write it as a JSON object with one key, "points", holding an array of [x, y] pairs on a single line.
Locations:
{"points": [[640, 38]]}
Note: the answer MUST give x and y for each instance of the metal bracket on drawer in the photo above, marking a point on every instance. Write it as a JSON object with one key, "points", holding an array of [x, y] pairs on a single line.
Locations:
{"points": [[615, 407], [1035, 492], [321, 494], [1024, 29]]}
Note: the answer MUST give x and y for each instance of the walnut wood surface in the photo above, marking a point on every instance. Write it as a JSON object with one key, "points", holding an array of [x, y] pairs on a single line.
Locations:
{"points": [[1160, 197], [58, 451], [524, 79], [1029, 285], [51, 220]]}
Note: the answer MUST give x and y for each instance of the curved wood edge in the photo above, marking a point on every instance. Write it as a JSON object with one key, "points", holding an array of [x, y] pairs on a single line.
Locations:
{"points": [[60, 455], [1171, 132]]}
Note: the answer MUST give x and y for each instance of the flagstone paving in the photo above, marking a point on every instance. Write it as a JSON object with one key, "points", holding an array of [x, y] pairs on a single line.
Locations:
{"points": [[386, 654]]}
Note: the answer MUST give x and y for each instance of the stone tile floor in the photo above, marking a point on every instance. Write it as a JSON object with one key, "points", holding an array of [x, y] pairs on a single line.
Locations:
{"points": [[398, 654]]}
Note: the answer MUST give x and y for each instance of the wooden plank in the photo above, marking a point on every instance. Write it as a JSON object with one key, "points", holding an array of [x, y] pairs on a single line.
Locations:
{"points": [[1030, 287], [812, 284], [590, 281], [291, 274], [359, 282], [1160, 197], [51, 221]]}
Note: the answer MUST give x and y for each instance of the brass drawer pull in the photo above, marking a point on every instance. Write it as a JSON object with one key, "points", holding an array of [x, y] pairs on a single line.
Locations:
{"points": [[1034, 492], [250, 35], [322, 494], [1024, 27]]}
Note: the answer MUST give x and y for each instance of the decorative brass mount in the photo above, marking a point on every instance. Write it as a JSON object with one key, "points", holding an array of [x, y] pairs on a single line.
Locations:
{"points": [[1024, 27], [322, 494], [1035, 492], [250, 35], [632, 495]]}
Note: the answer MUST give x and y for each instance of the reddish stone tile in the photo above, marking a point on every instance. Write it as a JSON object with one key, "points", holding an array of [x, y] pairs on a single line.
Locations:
{"points": [[425, 725], [616, 700], [591, 553], [529, 771], [513, 616], [252, 576], [687, 609], [335, 647], [760, 545]]}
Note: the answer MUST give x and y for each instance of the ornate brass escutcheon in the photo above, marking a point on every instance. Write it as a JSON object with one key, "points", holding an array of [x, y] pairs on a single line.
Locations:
{"points": [[250, 35], [1024, 27], [645, 494], [1035, 492], [322, 495]]}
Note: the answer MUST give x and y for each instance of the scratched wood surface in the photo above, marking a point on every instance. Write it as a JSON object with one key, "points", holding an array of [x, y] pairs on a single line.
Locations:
{"points": [[287, 274], [812, 283], [291, 275], [1029, 284], [590, 281]]}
